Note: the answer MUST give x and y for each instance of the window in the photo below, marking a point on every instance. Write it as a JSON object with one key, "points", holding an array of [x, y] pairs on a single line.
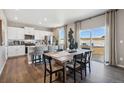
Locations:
{"points": [[85, 38], [92, 37], [98, 36], [61, 35]]}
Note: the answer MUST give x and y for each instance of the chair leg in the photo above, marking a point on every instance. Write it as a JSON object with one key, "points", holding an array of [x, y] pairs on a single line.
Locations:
{"points": [[35, 60], [85, 68], [81, 73], [45, 76], [74, 76], [63, 76], [40, 59], [56, 74], [50, 78], [89, 68]]}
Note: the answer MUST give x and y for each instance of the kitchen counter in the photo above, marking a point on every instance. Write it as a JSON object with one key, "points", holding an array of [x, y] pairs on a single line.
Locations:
{"points": [[17, 50], [29, 50]]}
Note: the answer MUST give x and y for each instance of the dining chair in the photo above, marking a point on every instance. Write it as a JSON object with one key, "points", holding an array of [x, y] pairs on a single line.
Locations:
{"points": [[77, 65], [51, 67], [60, 50]]}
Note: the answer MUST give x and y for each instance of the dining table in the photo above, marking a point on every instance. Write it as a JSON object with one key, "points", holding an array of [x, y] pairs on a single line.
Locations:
{"points": [[65, 56]]}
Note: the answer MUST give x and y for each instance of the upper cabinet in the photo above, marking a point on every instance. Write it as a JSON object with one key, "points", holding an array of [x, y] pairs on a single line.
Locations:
{"points": [[19, 33], [28, 32], [15, 33], [39, 35]]}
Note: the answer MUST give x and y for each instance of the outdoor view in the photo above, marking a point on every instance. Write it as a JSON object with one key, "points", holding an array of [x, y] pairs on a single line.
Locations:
{"points": [[61, 36], [94, 39]]}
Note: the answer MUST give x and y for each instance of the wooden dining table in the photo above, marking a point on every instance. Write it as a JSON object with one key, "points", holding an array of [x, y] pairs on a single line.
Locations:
{"points": [[65, 56]]}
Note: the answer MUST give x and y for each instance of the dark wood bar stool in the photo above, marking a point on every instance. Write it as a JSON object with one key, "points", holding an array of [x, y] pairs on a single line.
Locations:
{"points": [[37, 55], [36, 58]]}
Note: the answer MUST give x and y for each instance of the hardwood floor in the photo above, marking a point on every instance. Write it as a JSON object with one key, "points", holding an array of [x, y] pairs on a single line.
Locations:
{"points": [[17, 70]]}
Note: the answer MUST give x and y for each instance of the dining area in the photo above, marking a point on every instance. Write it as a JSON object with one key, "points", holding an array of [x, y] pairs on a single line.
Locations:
{"points": [[63, 63]]}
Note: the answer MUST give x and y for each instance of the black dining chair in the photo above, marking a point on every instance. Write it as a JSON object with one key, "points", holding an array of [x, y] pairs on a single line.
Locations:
{"points": [[60, 50], [77, 65], [51, 67]]}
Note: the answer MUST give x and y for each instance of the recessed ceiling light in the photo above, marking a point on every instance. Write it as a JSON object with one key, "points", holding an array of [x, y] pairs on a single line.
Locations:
{"points": [[45, 19], [16, 18]]}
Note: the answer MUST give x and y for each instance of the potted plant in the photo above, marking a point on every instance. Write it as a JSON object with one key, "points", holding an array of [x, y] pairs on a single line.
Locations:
{"points": [[72, 44]]}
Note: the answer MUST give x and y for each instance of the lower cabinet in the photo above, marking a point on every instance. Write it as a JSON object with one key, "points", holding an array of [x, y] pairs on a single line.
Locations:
{"points": [[16, 51]]}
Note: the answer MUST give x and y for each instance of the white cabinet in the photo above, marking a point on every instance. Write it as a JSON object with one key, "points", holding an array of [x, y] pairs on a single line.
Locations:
{"points": [[20, 34], [16, 51], [21, 50], [41, 36], [11, 51], [37, 34], [11, 33], [15, 33], [29, 32]]}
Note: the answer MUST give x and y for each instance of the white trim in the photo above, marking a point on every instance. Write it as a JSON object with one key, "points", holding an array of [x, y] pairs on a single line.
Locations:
{"points": [[120, 66]]}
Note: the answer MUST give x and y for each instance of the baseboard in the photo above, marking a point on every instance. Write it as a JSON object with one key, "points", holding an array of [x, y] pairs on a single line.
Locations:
{"points": [[120, 66]]}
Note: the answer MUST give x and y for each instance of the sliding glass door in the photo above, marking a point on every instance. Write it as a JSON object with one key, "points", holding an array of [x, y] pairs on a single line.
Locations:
{"points": [[94, 39]]}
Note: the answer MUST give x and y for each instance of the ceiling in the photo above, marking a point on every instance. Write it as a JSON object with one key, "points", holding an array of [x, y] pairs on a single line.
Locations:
{"points": [[50, 18]]}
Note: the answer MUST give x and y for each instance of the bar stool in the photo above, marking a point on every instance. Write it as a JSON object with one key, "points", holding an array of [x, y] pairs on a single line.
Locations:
{"points": [[37, 56]]}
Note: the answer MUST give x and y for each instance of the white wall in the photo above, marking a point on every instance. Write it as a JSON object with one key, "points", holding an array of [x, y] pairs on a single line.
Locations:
{"points": [[120, 37], [3, 48]]}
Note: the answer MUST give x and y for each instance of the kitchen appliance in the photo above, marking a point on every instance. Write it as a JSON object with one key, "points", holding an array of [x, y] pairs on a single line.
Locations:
{"points": [[29, 37]]}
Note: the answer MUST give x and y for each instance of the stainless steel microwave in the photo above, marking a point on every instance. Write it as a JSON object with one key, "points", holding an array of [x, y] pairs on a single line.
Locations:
{"points": [[29, 37]]}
